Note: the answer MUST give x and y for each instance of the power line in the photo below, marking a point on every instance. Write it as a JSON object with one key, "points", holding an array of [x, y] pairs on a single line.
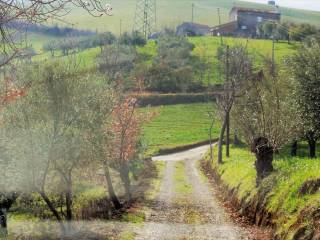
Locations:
{"points": [[221, 40], [192, 12]]}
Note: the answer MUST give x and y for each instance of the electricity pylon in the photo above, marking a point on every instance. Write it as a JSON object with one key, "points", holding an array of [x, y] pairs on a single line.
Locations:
{"points": [[145, 18]]}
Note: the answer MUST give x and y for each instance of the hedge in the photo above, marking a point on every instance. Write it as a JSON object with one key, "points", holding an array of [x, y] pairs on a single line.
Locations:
{"points": [[155, 99]]}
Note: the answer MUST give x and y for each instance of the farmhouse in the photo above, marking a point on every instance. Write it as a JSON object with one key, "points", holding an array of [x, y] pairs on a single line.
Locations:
{"points": [[244, 21], [272, 2]]}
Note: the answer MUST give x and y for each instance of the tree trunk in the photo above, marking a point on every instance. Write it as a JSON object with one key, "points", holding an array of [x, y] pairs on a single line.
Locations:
{"points": [[264, 158], [312, 148], [228, 135], [236, 140], [114, 199], [50, 205], [312, 141], [5, 204], [294, 148], [220, 143], [124, 174], [3, 223], [69, 199], [210, 140]]}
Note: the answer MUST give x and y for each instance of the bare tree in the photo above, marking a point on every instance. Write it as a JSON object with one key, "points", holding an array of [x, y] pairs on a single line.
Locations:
{"points": [[237, 66]]}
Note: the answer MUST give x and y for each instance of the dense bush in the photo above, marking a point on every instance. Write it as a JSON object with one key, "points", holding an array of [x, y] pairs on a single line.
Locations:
{"points": [[78, 44], [117, 61], [173, 68], [134, 39]]}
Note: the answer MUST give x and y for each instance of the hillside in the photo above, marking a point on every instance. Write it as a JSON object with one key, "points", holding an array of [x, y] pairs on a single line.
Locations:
{"points": [[205, 49], [170, 13]]}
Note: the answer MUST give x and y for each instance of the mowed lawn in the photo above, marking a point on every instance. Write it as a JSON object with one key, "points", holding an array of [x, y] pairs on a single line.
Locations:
{"points": [[178, 125]]}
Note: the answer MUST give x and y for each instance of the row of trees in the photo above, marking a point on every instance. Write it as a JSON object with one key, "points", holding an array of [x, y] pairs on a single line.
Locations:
{"points": [[72, 45], [270, 108], [287, 31], [60, 125], [55, 30]]}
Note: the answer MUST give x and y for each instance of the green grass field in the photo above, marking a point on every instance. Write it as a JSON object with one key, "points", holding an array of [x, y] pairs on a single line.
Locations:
{"points": [[178, 125], [171, 13], [205, 48], [289, 175]]}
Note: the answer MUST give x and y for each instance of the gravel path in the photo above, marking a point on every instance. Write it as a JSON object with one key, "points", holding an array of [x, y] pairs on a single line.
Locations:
{"points": [[169, 216]]}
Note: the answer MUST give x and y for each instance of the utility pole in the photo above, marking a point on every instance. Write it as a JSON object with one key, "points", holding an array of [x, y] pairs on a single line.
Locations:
{"points": [[228, 112], [120, 28], [221, 40], [192, 12], [273, 56]]}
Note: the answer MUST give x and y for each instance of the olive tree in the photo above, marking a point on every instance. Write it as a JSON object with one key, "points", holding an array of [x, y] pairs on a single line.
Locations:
{"points": [[264, 115], [44, 130], [101, 100], [305, 69]]}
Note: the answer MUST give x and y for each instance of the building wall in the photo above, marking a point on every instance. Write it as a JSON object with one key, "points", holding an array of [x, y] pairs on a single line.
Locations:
{"points": [[272, 2], [250, 20]]}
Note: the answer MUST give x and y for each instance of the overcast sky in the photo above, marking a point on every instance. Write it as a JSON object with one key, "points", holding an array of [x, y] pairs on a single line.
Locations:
{"points": [[302, 4]]}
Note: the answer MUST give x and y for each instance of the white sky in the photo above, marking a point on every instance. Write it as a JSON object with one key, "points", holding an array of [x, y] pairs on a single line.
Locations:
{"points": [[302, 4]]}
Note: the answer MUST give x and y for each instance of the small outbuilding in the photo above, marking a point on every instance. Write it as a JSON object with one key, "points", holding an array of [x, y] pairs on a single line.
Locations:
{"points": [[193, 29]]}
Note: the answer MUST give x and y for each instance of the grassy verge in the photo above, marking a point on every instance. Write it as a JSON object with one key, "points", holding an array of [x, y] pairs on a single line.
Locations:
{"points": [[292, 212], [178, 125]]}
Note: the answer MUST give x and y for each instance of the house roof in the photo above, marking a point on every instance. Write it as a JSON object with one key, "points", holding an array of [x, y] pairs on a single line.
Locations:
{"points": [[242, 9], [215, 28]]}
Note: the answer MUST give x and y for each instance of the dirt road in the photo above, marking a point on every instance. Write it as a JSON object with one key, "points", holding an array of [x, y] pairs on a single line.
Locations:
{"points": [[186, 206]]}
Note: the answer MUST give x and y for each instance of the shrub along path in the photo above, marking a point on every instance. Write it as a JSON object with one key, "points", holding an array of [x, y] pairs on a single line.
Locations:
{"points": [[186, 207]]}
